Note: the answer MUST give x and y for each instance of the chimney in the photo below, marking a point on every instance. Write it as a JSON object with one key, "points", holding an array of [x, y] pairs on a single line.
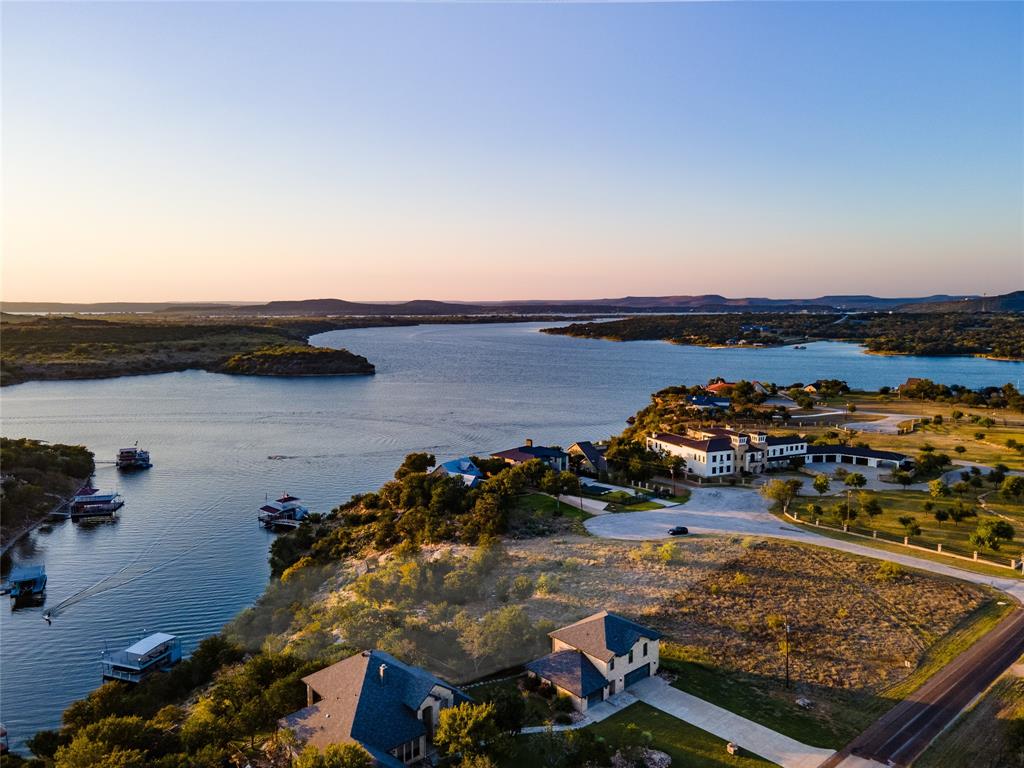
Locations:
{"points": [[380, 671], [529, 442]]}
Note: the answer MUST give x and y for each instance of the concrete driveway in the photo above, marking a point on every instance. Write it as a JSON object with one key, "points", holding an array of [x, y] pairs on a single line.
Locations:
{"points": [[888, 423], [743, 512], [724, 724]]}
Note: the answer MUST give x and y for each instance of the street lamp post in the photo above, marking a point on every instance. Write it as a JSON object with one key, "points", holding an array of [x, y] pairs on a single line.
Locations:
{"points": [[787, 654]]}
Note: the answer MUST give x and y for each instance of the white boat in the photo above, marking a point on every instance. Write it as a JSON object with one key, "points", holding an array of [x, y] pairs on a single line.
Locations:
{"points": [[285, 512]]}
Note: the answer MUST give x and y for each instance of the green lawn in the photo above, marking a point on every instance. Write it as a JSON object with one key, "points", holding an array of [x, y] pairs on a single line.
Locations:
{"points": [[900, 503], [640, 506], [540, 504], [688, 746], [743, 695]]}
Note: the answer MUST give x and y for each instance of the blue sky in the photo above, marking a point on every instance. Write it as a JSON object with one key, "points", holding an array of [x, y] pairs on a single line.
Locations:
{"points": [[496, 151]]}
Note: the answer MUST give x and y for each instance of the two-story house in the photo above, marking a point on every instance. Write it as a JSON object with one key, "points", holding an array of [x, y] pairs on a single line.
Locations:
{"points": [[372, 699], [598, 657]]}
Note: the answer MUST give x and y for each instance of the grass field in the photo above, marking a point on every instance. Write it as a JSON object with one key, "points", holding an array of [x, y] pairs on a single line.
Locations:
{"points": [[687, 745], [899, 503]]}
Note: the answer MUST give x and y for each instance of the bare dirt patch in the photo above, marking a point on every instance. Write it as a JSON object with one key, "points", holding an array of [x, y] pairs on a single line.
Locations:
{"points": [[849, 629]]}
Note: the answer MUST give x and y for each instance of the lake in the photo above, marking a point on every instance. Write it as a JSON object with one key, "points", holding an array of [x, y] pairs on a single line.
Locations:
{"points": [[187, 554]]}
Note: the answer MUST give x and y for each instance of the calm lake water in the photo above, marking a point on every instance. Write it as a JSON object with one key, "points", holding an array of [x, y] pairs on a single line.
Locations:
{"points": [[186, 554]]}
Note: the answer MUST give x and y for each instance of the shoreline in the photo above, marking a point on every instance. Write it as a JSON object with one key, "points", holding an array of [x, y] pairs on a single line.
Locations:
{"points": [[31, 525]]}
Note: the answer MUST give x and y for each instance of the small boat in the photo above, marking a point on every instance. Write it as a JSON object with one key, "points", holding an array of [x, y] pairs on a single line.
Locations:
{"points": [[133, 458], [89, 502], [156, 653], [799, 346], [26, 582], [285, 512]]}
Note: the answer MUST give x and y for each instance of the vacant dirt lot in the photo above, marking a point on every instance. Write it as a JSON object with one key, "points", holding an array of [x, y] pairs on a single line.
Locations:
{"points": [[849, 629], [597, 574]]}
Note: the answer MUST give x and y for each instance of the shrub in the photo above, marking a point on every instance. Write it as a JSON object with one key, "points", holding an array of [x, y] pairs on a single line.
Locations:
{"points": [[547, 584], [888, 571]]}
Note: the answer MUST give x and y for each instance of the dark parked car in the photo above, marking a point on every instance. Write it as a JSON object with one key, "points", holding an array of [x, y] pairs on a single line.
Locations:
{"points": [[679, 530]]}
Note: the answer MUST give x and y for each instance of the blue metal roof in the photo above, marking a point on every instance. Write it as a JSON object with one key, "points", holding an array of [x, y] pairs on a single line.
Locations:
{"points": [[570, 670]]}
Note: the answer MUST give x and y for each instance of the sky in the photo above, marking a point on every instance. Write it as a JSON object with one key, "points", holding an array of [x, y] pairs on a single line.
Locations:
{"points": [[488, 151]]}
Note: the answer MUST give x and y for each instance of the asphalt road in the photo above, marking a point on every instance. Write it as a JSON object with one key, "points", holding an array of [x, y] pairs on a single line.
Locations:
{"points": [[903, 733]]}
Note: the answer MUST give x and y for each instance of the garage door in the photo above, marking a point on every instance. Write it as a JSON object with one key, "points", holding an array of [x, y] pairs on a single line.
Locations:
{"points": [[638, 674], [595, 698]]}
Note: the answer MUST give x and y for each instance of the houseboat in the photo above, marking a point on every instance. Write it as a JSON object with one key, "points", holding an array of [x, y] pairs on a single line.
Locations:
{"points": [[286, 512], [26, 582], [89, 502], [133, 458], [156, 653]]}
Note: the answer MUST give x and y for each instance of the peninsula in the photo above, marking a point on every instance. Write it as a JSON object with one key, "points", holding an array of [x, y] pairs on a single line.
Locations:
{"points": [[996, 334]]}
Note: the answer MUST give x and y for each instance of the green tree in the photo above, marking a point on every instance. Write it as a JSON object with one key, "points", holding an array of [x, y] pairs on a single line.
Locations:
{"points": [[466, 729], [960, 512], [910, 526], [782, 492], [855, 480], [941, 516], [415, 462], [960, 488], [334, 756], [991, 533], [938, 488], [821, 484], [1012, 487]]}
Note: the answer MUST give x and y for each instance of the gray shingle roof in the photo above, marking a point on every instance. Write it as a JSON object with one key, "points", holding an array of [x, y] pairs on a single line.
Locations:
{"points": [[849, 450], [604, 635], [360, 704], [570, 670]]}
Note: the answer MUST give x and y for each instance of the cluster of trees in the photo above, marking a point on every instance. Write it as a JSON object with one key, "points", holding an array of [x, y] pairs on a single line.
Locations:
{"points": [[36, 475], [420, 507], [926, 333], [149, 726], [296, 360], [1006, 396]]}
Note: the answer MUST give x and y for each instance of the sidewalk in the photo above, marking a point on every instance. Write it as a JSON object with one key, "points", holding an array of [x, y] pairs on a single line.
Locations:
{"points": [[773, 746], [594, 714]]}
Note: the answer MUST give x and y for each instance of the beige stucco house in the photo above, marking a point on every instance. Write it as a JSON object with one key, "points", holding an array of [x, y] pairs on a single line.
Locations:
{"points": [[598, 657]]}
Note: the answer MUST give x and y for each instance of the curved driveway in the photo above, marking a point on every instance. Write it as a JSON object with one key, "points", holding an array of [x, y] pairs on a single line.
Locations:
{"points": [[745, 512]]}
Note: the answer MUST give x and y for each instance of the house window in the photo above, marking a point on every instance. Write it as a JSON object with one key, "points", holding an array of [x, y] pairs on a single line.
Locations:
{"points": [[611, 664], [645, 650], [630, 657]]}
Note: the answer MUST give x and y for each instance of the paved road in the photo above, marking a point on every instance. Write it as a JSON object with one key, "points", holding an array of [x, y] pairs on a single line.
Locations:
{"points": [[889, 423], [903, 733], [750, 736]]}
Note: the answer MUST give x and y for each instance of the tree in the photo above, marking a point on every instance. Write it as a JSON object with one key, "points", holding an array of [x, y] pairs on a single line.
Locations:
{"points": [[855, 480], [941, 516], [466, 729], [782, 492], [990, 533], [938, 488], [960, 511], [415, 462], [903, 477], [509, 711], [869, 505], [334, 756], [1012, 486], [960, 488], [910, 526], [960, 449], [821, 484]]}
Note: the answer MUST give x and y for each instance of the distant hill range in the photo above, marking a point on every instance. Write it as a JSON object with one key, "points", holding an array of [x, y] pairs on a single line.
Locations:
{"points": [[1007, 302], [1012, 302]]}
